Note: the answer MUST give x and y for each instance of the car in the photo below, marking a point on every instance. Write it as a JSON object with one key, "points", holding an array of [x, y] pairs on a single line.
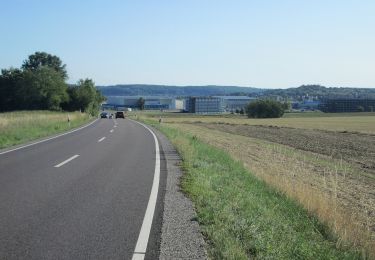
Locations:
{"points": [[110, 115], [120, 114], [104, 115]]}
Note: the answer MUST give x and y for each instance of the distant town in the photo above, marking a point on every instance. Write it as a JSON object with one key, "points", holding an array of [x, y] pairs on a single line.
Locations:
{"points": [[230, 99]]}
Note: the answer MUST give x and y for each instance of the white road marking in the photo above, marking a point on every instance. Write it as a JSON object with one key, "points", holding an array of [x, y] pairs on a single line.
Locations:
{"points": [[101, 139], [141, 247], [47, 139], [66, 161], [138, 256], [115, 126], [111, 131]]}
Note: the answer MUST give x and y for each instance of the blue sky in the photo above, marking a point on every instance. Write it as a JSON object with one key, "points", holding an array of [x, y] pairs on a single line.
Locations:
{"points": [[260, 43]]}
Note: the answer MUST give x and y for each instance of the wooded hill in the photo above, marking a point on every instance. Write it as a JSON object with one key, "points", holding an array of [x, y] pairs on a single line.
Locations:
{"points": [[164, 90], [317, 92]]}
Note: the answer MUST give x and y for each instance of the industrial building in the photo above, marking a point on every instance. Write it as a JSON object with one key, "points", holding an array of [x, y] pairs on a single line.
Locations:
{"points": [[204, 105], [150, 102], [233, 103], [347, 105]]}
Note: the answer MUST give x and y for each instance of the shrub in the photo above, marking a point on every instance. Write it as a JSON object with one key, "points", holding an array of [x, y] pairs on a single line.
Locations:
{"points": [[265, 109]]}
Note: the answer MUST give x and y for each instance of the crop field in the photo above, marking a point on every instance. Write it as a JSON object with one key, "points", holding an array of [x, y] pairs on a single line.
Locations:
{"points": [[325, 162]]}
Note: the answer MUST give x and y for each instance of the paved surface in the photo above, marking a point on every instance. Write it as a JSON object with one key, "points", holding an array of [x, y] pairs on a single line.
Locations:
{"points": [[80, 196], [181, 237]]}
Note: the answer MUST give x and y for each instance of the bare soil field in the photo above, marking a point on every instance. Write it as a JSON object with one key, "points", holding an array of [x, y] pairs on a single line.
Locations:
{"points": [[356, 148]]}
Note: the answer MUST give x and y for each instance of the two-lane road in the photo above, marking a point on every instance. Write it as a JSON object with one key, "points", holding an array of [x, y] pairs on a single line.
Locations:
{"points": [[79, 196]]}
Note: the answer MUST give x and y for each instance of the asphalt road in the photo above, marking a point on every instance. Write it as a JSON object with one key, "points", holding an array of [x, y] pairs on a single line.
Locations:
{"points": [[79, 196]]}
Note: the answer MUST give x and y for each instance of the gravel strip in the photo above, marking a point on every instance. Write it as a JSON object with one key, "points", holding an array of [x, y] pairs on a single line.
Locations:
{"points": [[181, 237]]}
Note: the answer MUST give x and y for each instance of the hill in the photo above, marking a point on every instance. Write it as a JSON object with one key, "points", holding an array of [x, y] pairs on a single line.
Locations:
{"points": [[163, 90], [318, 92]]}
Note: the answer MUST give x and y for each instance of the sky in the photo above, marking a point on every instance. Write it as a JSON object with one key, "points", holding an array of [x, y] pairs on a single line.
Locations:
{"points": [[257, 43]]}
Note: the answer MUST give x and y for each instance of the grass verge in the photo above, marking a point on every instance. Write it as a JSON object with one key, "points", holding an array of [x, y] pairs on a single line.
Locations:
{"points": [[23, 126], [241, 216]]}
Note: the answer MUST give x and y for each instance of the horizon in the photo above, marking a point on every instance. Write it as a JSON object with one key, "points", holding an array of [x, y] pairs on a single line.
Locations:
{"points": [[210, 85], [242, 43]]}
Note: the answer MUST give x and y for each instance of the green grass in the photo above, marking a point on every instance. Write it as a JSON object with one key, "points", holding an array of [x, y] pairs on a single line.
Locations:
{"points": [[23, 126], [241, 216]]}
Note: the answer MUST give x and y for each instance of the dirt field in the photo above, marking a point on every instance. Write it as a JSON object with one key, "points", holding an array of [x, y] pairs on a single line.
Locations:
{"points": [[355, 148]]}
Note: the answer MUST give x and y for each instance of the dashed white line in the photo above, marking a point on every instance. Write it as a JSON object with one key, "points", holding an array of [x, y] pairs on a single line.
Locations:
{"points": [[111, 131], [101, 139], [66, 161], [115, 126], [141, 247]]}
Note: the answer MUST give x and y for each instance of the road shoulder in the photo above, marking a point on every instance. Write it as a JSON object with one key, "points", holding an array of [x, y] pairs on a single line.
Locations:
{"points": [[181, 237]]}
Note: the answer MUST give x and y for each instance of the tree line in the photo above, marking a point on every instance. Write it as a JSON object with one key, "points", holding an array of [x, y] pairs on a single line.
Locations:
{"points": [[40, 84]]}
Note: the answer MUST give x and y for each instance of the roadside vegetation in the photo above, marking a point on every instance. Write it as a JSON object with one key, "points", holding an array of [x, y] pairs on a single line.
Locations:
{"points": [[23, 126], [243, 217], [40, 84], [321, 164]]}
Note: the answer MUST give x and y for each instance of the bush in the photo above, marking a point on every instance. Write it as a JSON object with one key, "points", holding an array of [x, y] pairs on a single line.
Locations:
{"points": [[265, 109]]}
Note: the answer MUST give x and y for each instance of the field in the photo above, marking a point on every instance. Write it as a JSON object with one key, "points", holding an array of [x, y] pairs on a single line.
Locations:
{"points": [[23, 126], [325, 162]]}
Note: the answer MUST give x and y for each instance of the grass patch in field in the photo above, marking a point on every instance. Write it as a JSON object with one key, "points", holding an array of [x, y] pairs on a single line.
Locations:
{"points": [[23, 126], [241, 216]]}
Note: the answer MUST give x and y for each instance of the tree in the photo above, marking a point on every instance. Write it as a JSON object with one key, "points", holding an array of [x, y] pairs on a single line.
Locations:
{"points": [[9, 83], [43, 59], [286, 105], [141, 103], [85, 97], [265, 109]]}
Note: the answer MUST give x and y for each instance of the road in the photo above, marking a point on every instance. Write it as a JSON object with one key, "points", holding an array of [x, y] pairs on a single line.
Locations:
{"points": [[80, 196]]}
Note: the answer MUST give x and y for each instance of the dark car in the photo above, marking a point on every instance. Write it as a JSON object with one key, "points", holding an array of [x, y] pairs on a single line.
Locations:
{"points": [[104, 115], [120, 114]]}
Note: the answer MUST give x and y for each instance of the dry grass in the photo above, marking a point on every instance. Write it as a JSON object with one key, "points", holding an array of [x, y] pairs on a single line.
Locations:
{"points": [[331, 189]]}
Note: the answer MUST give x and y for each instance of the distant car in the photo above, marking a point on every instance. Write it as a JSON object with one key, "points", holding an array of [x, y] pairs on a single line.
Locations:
{"points": [[110, 115], [120, 114], [104, 115]]}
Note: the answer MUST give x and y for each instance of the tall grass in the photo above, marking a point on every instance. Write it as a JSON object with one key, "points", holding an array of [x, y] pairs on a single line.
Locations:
{"points": [[241, 216], [23, 126]]}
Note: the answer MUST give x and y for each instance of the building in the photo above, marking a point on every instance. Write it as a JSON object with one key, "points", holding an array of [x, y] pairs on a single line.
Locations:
{"points": [[347, 105], [233, 103], [150, 102], [306, 105], [204, 105]]}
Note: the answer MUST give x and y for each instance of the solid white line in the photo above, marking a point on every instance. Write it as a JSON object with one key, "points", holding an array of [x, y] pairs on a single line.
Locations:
{"points": [[101, 139], [47, 139], [111, 131], [141, 247], [66, 161]]}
